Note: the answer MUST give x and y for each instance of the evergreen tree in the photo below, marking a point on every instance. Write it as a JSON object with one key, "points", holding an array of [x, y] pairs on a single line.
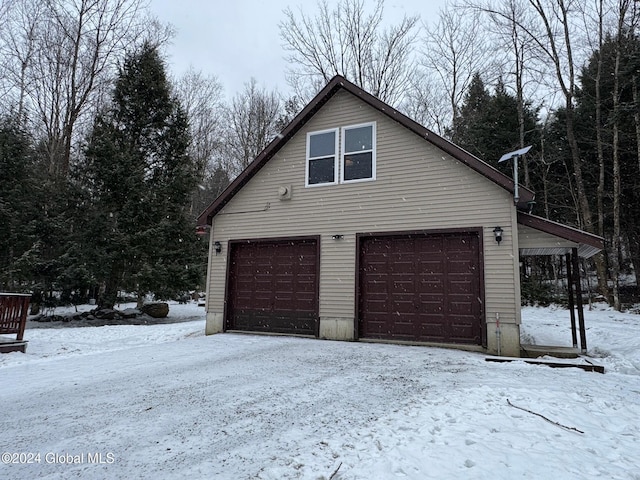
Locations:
{"points": [[18, 241], [469, 124], [487, 125], [139, 179], [585, 114]]}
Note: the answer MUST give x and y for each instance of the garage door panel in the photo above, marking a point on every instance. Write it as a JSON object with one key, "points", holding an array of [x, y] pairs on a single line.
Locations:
{"points": [[433, 331], [406, 307], [432, 307], [376, 286], [273, 286], [425, 288]]}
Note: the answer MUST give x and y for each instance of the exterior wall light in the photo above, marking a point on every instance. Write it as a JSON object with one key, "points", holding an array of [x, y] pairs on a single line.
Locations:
{"points": [[338, 237], [217, 247], [497, 233], [202, 230]]}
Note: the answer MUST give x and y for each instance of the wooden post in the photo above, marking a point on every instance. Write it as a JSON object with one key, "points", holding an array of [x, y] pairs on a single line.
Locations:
{"points": [[574, 333], [576, 274]]}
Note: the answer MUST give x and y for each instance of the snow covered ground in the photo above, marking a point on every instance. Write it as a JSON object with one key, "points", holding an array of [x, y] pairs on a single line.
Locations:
{"points": [[166, 402]]}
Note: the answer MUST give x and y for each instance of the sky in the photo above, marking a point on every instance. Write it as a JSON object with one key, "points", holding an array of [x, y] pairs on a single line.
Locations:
{"points": [[236, 40]]}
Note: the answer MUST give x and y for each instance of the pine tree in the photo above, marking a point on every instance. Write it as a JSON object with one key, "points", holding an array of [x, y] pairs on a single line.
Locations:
{"points": [[487, 125], [468, 124], [18, 241], [140, 177]]}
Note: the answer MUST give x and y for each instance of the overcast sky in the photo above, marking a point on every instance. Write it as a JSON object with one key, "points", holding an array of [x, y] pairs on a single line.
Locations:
{"points": [[239, 39]]}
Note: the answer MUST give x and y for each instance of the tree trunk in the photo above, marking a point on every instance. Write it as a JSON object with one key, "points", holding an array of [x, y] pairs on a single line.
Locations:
{"points": [[582, 199], [110, 296], [615, 244], [603, 287], [140, 300], [634, 240]]}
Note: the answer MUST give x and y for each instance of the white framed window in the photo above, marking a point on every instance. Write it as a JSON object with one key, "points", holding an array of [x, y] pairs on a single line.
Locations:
{"points": [[322, 158], [358, 159]]}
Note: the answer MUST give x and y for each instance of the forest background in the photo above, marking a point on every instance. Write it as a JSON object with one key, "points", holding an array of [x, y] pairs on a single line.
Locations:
{"points": [[106, 159]]}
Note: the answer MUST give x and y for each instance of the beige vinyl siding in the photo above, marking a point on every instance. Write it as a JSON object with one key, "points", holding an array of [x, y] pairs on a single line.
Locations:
{"points": [[418, 187], [536, 242]]}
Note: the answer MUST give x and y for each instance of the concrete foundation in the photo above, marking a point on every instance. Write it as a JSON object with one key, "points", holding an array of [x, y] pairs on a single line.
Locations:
{"points": [[336, 328], [214, 323], [509, 340]]}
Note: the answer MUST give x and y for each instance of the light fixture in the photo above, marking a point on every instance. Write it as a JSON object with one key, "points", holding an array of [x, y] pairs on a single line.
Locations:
{"points": [[202, 230], [338, 237], [497, 232], [217, 247]]}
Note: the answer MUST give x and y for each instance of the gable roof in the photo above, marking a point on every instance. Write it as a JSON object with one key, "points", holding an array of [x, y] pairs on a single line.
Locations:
{"points": [[588, 244], [339, 83]]}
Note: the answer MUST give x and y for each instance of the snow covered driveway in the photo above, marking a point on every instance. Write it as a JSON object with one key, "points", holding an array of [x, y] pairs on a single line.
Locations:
{"points": [[166, 402]]}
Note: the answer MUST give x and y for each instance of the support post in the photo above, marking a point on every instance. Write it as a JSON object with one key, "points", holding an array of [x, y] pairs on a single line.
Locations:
{"points": [[576, 274], [574, 333], [516, 194]]}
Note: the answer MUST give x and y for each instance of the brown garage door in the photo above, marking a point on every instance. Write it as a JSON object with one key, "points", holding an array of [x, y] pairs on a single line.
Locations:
{"points": [[421, 288], [273, 286]]}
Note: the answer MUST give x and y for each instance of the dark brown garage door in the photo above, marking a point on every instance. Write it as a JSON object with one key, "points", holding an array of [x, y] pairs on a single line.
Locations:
{"points": [[273, 287], [422, 288]]}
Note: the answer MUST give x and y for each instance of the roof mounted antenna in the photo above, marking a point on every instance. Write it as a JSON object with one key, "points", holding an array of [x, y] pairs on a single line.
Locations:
{"points": [[516, 154]]}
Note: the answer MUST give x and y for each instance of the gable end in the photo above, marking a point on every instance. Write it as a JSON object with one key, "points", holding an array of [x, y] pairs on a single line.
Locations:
{"points": [[337, 83]]}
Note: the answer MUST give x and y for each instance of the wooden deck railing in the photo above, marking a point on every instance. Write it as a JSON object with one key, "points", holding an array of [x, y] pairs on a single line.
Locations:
{"points": [[13, 319]]}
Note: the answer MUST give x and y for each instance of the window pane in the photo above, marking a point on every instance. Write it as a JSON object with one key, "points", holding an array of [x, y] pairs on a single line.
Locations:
{"points": [[321, 170], [358, 139], [358, 166], [322, 144]]}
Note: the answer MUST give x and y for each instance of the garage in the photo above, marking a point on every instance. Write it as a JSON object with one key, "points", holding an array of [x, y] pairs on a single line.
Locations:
{"points": [[421, 288], [273, 286]]}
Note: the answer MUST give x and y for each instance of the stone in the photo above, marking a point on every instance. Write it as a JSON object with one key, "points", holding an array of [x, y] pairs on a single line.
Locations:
{"points": [[156, 309], [105, 314], [130, 313]]}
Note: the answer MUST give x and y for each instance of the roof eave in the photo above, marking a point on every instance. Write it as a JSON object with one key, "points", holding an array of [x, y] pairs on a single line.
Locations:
{"points": [[588, 244], [206, 217]]}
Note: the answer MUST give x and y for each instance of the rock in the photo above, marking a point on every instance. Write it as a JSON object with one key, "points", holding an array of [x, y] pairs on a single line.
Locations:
{"points": [[130, 313], [156, 309], [106, 314]]}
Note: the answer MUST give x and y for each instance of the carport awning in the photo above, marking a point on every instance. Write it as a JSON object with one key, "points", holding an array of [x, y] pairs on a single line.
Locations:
{"points": [[539, 236]]}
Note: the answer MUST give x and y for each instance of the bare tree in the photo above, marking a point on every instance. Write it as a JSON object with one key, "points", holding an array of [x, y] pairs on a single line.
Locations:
{"points": [[350, 42], [202, 99], [425, 103], [86, 34], [58, 56], [599, 21], [627, 18], [253, 122], [522, 69], [553, 28], [17, 45], [455, 49]]}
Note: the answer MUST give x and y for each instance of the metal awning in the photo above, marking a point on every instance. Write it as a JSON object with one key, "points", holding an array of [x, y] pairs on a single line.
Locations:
{"points": [[539, 236]]}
